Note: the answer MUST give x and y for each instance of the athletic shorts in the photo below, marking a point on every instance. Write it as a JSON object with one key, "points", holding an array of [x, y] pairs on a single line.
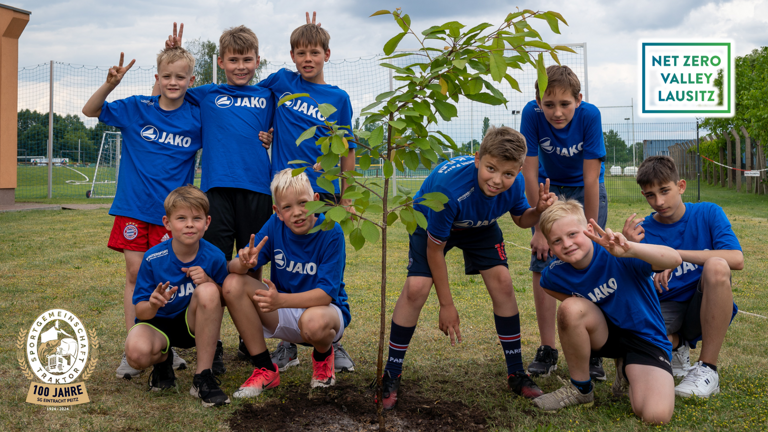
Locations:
{"points": [[235, 215], [288, 325], [577, 193], [176, 330], [334, 198], [684, 318], [483, 249], [135, 235], [632, 348]]}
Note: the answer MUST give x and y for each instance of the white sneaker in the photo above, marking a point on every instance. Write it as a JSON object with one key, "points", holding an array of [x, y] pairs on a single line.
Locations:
{"points": [[178, 362], [681, 360], [125, 370], [700, 381]]}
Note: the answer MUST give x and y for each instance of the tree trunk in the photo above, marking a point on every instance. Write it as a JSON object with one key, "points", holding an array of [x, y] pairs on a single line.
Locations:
{"points": [[762, 188], [720, 158], [748, 154], [737, 162], [729, 163]]}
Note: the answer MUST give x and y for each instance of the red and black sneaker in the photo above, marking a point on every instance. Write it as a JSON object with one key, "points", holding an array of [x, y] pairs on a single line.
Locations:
{"points": [[389, 390], [523, 385]]}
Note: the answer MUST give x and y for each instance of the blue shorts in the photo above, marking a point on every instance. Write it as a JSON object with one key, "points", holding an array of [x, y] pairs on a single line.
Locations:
{"points": [[577, 193], [483, 249]]}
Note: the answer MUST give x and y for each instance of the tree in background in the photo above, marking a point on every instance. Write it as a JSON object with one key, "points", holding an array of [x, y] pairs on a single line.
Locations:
{"points": [[69, 135], [616, 150], [486, 125], [203, 51]]}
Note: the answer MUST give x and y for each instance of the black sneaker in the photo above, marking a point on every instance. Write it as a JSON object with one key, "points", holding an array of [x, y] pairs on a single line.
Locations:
{"points": [[523, 385], [242, 351], [206, 387], [545, 361], [218, 367], [596, 370], [162, 376], [389, 386]]}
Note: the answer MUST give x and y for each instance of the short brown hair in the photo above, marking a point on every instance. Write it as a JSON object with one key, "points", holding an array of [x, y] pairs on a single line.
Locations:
{"points": [[657, 170], [559, 210], [186, 196], [238, 40], [174, 54], [504, 143], [561, 77], [310, 35]]}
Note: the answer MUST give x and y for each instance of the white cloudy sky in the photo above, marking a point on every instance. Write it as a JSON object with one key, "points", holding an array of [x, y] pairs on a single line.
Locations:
{"points": [[93, 32]]}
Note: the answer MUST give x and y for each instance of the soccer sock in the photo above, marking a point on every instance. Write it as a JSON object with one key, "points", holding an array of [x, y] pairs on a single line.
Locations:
{"points": [[710, 365], [399, 338], [318, 356], [263, 360], [508, 329], [583, 386]]}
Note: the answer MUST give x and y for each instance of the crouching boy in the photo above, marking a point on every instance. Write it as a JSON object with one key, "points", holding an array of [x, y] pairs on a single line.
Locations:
{"points": [[305, 302], [609, 310], [178, 300]]}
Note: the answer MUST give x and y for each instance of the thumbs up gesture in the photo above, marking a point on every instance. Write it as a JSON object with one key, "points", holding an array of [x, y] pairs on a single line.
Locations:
{"points": [[162, 295], [267, 300]]}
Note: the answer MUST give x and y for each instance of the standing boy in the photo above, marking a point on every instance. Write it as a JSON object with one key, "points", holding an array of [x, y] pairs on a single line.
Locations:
{"points": [[188, 313], [305, 302], [565, 144], [696, 299], [480, 190], [161, 135], [609, 309]]}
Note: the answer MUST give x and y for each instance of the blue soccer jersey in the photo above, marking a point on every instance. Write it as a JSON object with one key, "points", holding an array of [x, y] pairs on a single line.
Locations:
{"points": [[160, 265], [298, 115], [621, 287], [468, 206], [232, 118], [562, 152], [302, 263], [703, 226], [158, 153]]}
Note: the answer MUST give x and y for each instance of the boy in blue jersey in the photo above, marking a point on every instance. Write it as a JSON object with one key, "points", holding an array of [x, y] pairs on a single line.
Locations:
{"points": [[161, 135], [178, 300], [609, 309], [696, 298], [480, 189], [565, 144], [305, 302]]}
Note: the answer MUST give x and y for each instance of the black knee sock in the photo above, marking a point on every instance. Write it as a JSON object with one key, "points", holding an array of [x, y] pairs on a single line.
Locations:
{"points": [[263, 360], [318, 356]]}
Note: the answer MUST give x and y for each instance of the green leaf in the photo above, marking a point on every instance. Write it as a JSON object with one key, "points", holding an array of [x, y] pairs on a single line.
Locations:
{"points": [[404, 22], [411, 227], [356, 239], [543, 80], [391, 218], [434, 205], [309, 133], [381, 12], [485, 98], [388, 170], [326, 109], [329, 161], [498, 65], [377, 136], [460, 63], [336, 214], [512, 82], [398, 124], [446, 110], [337, 145], [512, 16], [365, 162], [538, 44], [375, 208], [391, 45], [370, 231], [311, 206], [420, 219], [564, 48], [353, 195], [347, 226], [558, 16], [412, 160], [475, 85], [385, 95], [298, 161], [297, 171], [422, 108], [291, 97], [554, 57], [326, 184], [437, 196], [406, 215], [552, 21], [429, 155], [479, 27]]}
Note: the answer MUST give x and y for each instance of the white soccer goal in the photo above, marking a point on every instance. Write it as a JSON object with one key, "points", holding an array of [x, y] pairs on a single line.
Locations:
{"points": [[104, 183]]}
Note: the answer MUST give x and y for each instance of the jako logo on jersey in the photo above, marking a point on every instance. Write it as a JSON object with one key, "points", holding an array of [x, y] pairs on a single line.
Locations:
{"points": [[570, 151], [301, 268], [150, 133], [303, 107], [183, 291], [224, 101], [290, 102], [474, 224], [603, 290], [279, 259], [546, 145], [684, 268]]}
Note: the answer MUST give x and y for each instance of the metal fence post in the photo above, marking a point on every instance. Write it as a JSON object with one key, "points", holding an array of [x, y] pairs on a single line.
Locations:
{"points": [[50, 135], [698, 166]]}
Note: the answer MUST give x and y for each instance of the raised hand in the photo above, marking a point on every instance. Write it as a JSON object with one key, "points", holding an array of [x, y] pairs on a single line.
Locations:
{"points": [[266, 138], [161, 295], [116, 73], [539, 246], [314, 16], [249, 255], [197, 274], [267, 300], [633, 231], [546, 198], [615, 243], [449, 323], [662, 280], [174, 40]]}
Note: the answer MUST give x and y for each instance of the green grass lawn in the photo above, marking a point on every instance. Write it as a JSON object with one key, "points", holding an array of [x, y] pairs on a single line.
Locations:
{"points": [[59, 259]]}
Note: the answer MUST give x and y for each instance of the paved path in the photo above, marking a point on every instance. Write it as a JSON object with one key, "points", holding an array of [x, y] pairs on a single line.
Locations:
{"points": [[41, 206]]}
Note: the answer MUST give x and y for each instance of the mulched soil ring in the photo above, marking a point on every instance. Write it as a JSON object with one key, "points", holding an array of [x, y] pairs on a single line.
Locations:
{"points": [[345, 407]]}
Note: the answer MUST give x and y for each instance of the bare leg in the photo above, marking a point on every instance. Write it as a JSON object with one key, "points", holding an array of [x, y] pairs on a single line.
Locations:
{"points": [[411, 300], [651, 393], [546, 309], [582, 328], [716, 307], [204, 319], [238, 291], [144, 347], [319, 326], [499, 286], [132, 264]]}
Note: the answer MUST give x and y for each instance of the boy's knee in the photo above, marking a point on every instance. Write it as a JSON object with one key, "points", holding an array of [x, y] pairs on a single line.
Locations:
{"points": [[654, 414], [416, 292], [232, 286], [208, 295], [137, 357], [716, 270], [570, 312], [315, 329]]}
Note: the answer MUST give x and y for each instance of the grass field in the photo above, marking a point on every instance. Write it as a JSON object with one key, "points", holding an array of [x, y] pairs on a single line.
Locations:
{"points": [[60, 260]]}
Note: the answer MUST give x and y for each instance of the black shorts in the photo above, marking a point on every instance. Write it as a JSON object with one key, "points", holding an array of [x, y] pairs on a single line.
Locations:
{"points": [[684, 318], [632, 348], [483, 249], [334, 198], [235, 215], [176, 330]]}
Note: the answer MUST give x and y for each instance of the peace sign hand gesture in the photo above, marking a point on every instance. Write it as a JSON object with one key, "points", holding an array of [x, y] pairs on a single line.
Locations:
{"points": [[249, 255], [116, 73], [174, 40], [615, 243], [161, 295], [546, 198]]}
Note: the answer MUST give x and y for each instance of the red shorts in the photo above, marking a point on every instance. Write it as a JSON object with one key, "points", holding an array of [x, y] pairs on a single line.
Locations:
{"points": [[135, 235]]}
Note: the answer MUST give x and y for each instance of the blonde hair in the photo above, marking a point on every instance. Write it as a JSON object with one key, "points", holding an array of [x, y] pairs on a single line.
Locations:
{"points": [[238, 40], [559, 210], [285, 180], [186, 196], [174, 54], [310, 35], [504, 143]]}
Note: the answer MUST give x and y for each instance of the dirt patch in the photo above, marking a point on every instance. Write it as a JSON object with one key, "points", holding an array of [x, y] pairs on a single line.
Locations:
{"points": [[345, 407]]}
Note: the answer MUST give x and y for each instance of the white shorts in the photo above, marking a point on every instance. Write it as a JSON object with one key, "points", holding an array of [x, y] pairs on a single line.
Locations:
{"points": [[288, 325]]}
